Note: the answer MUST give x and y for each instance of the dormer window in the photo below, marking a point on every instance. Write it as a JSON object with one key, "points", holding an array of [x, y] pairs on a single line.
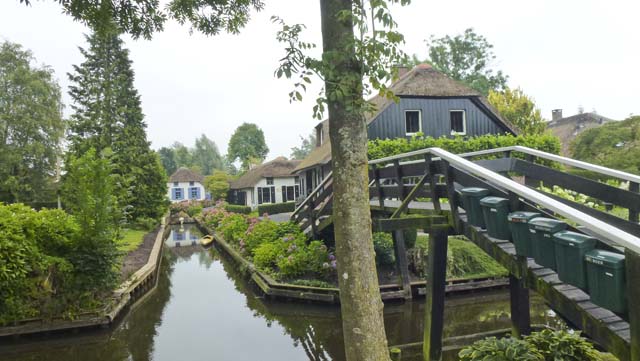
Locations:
{"points": [[269, 181], [413, 121], [458, 122]]}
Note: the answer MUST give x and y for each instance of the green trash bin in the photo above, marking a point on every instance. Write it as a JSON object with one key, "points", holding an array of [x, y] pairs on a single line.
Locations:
{"points": [[495, 211], [471, 201], [570, 248], [519, 226], [541, 231], [606, 279]]}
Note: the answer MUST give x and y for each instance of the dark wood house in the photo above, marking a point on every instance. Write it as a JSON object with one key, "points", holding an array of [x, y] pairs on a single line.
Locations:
{"points": [[430, 103]]}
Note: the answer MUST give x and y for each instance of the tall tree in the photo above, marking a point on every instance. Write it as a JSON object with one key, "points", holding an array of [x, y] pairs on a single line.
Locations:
{"points": [[217, 184], [466, 58], [168, 159], [305, 148], [183, 155], [206, 155], [519, 109], [31, 126], [360, 40], [108, 114], [247, 144]]}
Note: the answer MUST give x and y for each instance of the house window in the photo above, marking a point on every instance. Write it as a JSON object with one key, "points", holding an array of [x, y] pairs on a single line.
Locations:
{"points": [[175, 184], [269, 181], [413, 121], [177, 194], [194, 193], [266, 195], [296, 180], [458, 122], [290, 193], [191, 183]]}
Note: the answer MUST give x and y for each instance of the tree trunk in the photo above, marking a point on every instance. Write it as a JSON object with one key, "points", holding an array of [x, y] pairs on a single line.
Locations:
{"points": [[362, 319]]}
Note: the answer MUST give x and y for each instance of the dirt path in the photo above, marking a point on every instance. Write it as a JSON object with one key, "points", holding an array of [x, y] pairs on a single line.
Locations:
{"points": [[137, 258]]}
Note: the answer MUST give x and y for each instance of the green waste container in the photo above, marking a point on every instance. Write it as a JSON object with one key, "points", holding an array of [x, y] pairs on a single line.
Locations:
{"points": [[495, 211], [606, 279], [571, 247], [519, 225], [541, 231], [471, 201]]}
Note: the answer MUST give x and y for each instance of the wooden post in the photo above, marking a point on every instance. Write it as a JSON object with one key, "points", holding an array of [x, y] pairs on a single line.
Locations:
{"points": [[402, 263], [401, 193], [434, 305], [376, 173], [453, 200], [633, 214], [520, 307], [395, 354], [632, 264], [433, 181]]}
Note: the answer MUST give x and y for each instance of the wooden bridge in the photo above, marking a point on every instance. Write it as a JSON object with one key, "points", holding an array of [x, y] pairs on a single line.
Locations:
{"points": [[428, 182]]}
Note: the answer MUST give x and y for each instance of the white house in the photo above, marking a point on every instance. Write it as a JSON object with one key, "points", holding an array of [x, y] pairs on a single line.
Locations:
{"points": [[270, 182], [185, 184]]}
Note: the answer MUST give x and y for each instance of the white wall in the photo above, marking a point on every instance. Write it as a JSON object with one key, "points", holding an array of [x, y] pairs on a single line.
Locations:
{"points": [[277, 183], [185, 191]]}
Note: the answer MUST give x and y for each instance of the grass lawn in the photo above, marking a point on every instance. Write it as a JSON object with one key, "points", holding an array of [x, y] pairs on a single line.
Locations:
{"points": [[131, 240]]}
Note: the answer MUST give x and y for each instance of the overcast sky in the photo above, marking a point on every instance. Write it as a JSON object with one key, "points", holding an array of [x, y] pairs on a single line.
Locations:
{"points": [[565, 54]]}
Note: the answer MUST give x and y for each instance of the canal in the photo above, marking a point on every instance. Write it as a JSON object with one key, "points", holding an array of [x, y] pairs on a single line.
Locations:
{"points": [[203, 309]]}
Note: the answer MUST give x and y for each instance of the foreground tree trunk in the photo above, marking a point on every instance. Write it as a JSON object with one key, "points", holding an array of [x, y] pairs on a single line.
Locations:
{"points": [[362, 320]]}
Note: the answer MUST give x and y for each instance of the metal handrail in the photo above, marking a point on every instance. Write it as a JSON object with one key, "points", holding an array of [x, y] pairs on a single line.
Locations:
{"points": [[313, 192], [599, 227]]}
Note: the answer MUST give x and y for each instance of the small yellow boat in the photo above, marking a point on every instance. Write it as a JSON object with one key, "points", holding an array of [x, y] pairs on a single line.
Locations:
{"points": [[206, 240]]}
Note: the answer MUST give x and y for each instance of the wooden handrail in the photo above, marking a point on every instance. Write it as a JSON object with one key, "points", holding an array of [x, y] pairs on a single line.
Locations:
{"points": [[312, 194]]}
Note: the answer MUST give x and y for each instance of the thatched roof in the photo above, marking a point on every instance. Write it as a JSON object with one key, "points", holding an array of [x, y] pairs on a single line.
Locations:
{"points": [[567, 129], [421, 81], [280, 167], [185, 175]]}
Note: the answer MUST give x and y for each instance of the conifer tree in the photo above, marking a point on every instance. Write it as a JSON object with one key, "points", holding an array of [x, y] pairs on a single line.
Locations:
{"points": [[107, 113]]}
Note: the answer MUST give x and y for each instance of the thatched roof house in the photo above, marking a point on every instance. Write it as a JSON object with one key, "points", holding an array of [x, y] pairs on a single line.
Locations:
{"points": [[185, 184], [280, 167], [185, 175], [567, 129]]}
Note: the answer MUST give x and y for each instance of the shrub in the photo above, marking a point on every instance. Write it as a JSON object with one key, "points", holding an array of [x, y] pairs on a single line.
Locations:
{"points": [[288, 228], [275, 208], [295, 263], [238, 209], [145, 224], [503, 349], [213, 216], [194, 209], [562, 345], [320, 260], [383, 245], [233, 227], [410, 236], [265, 256], [260, 232]]}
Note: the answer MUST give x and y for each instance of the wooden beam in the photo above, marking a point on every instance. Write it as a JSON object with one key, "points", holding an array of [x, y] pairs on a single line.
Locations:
{"points": [[520, 306], [434, 305], [453, 200], [422, 222], [632, 264], [433, 182], [411, 196], [402, 263], [634, 214], [376, 173]]}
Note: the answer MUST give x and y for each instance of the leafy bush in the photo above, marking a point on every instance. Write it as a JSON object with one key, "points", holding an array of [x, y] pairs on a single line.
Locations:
{"points": [[265, 256], [503, 349], [383, 245], [264, 231], [410, 236], [562, 345], [213, 216], [233, 227], [381, 148], [145, 224], [275, 208], [238, 209], [194, 209]]}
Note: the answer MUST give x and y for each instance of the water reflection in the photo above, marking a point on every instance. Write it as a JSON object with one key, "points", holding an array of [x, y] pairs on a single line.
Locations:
{"points": [[203, 309]]}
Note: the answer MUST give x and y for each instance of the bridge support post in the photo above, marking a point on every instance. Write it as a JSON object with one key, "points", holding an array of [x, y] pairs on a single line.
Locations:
{"points": [[434, 306], [633, 214], [632, 264], [520, 307], [402, 263]]}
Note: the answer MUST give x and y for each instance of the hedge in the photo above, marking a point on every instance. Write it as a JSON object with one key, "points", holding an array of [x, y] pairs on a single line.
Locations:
{"points": [[380, 148], [275, 208], [238, 208]]}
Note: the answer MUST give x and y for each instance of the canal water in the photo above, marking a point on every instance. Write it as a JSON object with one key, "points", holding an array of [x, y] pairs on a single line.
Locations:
{"points": [[203, 310]]}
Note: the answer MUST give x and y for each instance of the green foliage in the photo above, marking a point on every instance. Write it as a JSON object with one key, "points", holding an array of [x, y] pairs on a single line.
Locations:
{"points": [[168, 160], [194, 209], [206, 155], [238, 209], [145, 224], [503, 349], [88, 193], [217, 184], [381, 148], [383, 246], [305, 148], [107, 114], [519, 109], [562, 345], [312, 283], [265, 256], [131, 240], [264, 231], [233, 227], [276, 208], [247, 144], [31, 127], [466, 58], [614, 145]]}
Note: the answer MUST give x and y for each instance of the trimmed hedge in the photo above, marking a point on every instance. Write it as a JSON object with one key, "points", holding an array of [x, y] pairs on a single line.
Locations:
{"points": [[275, 208], [238, 209]]}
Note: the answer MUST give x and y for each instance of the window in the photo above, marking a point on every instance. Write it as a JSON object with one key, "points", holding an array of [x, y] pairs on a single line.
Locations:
{"points": [[175, 184], [177, 194], [191, 183], [290, 193], [296, 180], [269, 181], [194, 193], [413, 121], [458, 122], [266, 195]]}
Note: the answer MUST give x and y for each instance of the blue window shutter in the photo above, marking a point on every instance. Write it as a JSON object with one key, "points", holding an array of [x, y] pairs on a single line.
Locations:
{"points": [[198, 192], [173, 194]]}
